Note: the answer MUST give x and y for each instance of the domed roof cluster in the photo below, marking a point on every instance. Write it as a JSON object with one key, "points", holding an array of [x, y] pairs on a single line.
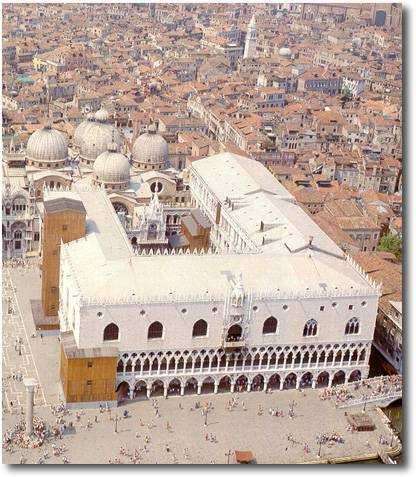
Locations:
{"points": [[112, 168], [47, 147], [93, 136], [150, 151]]}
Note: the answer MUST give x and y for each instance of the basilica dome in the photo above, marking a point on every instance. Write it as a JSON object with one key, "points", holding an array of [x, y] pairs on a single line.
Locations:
{"points": [[285, 52], [96, 137], [112, 169], [150, 151], [82, 129], [101, 115], [47, 147]]}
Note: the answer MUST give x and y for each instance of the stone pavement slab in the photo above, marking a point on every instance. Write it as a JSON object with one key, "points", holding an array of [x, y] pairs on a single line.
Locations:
{"points": [[239, 429]]}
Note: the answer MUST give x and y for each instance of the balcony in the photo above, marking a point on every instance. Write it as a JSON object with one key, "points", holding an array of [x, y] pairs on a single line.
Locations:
{"points": [[234, 344]]}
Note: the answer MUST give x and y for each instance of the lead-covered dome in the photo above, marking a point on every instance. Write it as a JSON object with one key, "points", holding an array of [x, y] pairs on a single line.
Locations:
{"points": [[97, 137], [112, 169], [47, 147], [285, 52], [82, 129], [101, 115], [150, 151]]}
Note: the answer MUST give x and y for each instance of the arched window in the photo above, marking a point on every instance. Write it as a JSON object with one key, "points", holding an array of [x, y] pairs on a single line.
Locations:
{"points": [[111, 332], [234, 333], [119, 207], [200, 328], [155, 331], [352, 327], [19, 204], [270, 326], [156, 187], [310, 328]]}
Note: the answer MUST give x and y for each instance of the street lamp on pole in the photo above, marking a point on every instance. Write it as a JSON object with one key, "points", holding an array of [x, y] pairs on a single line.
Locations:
{"points": [[205, 412], [365, 404], [320, 442]]}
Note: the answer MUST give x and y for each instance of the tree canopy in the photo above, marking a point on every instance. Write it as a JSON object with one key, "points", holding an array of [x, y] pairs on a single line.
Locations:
{"points": [[391, 243]]}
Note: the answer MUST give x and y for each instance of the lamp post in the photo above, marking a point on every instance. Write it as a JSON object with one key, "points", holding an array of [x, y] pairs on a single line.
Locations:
{"points": [[205, 412], [320, 440], [365, 404]]}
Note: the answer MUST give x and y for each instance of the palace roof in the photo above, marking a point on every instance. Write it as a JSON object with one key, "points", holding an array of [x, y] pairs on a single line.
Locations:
{"points": [[295, 259]]}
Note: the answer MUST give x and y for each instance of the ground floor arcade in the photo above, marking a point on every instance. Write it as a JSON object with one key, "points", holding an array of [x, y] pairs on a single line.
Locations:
{"points": [[131, 387]]}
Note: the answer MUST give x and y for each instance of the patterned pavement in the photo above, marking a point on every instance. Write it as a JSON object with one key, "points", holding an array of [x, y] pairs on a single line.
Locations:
{"points": [[14, 328]]}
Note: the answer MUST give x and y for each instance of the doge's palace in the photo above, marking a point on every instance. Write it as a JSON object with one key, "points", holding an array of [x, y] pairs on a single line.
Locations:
{"points": [[273, 303]]}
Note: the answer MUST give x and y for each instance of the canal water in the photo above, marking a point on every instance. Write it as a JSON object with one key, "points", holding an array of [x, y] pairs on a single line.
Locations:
{"points": [[394, 411]]}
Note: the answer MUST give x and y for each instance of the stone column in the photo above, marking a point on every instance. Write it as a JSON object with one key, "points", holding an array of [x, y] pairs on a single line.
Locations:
{"points": [[232, 387], [165, 390], [148, 391], [248, 386], [265, 384], [313, 383], [215, 388], [298, 382], [30, 385], [131, 392], [182, 389], [199, 388]]}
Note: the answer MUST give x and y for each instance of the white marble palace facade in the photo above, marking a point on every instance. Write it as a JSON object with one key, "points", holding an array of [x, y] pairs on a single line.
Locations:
{"points": [[274, 304]]}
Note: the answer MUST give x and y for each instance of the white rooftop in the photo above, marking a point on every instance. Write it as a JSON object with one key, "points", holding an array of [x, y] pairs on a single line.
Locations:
{"points": [[233, 176], [180, 277], [285, 263], [252, 196], [103, 224]]}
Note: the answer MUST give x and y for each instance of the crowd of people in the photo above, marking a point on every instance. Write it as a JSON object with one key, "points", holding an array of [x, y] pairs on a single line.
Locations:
{"points": [[330, 439], [22, 264], [16, 436], [366, 389]]}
